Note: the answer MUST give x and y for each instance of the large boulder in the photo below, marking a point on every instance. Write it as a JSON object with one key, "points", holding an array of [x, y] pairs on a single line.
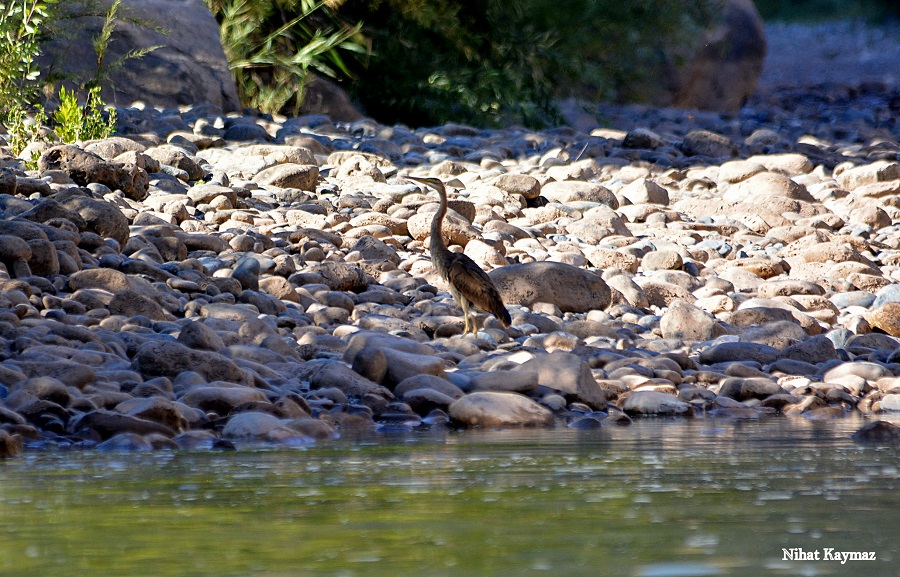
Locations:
{"points": [[189, 67], [570, 288]]}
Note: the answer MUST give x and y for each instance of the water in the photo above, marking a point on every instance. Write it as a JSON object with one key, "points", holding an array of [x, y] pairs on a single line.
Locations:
{"points": [[657, 499]]}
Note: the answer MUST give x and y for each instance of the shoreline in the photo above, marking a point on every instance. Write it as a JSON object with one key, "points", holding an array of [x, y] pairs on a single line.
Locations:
{"points": [[221, 280]]}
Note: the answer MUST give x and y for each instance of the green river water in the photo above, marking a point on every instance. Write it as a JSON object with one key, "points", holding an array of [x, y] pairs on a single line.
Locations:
{"points": [[660, 498]]}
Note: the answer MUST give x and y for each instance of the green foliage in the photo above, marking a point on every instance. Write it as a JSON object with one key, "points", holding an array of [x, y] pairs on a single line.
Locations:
{"points": [[22, 131], [271, 46], [496, 62], [76, 122], [21, 26]]}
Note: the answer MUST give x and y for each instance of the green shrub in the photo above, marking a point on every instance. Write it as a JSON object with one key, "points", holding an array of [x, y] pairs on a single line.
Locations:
{"points": [[496, 62]]}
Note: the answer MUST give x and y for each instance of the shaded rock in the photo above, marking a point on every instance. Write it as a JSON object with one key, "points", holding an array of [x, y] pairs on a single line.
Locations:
{"points": [[738, 351], [85, 168], [169, 359], [221, 399], [878, 433], [126, 442], [197, 335], [100, 217], [814, 350], [752, 388], [326, 374], [131, 303], [10, 444], [107, 424], [706, 143]]}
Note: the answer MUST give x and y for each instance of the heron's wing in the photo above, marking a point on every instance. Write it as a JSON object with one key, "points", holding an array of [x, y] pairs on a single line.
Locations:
{"points": [[476, 286]]}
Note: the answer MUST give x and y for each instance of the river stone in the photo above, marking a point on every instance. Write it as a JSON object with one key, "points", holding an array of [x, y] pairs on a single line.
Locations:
{"points": [[101, 217], [71, 374], [814, 350], [777, 334], [325, 374], [46, 388], [767, 184], [570, 288], [131, 303], [568, 191], [518, 381], [221, 399], [878, 433], [643, 191], [655, 403], [683, 321], [569, 374], [402, 365], [523, 184], [198, 335], [432, 382], [752, 388], [259, 426], [289, 175], [107, 424], [738, 351], [157, 409], [886, 318], [707, 143], [126, 442], [169, 359], [868, 370], [85, 168], [11, 444], [493, 409], [890, 402], [424, 401]]}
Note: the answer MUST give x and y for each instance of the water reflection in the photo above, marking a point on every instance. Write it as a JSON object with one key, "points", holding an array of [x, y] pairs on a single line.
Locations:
{"points": [[660, 498]]}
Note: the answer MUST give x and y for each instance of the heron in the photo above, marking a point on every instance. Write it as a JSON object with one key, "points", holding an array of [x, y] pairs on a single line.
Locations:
{"points": [[470, 286]]}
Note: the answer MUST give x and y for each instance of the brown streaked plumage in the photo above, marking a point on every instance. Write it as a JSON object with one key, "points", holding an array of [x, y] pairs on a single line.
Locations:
{"points": [[469, 284]]}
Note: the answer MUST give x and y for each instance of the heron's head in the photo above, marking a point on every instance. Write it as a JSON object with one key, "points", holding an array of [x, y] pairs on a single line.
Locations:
{"points": [[435, 183]]}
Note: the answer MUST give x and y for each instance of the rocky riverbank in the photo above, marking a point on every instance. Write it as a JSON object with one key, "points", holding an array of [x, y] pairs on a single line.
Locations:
{"points": [[201, 281]]}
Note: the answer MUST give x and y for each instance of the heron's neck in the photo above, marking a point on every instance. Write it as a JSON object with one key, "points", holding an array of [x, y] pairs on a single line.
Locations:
{"points": [[437, 240]]}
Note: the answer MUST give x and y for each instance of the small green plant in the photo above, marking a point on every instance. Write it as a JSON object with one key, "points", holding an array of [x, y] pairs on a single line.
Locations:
{"points": [[76, 122], [21, 131]]}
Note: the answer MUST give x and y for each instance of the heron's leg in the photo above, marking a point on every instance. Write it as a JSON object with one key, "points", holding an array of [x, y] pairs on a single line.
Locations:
{"points": [[464, 305]]}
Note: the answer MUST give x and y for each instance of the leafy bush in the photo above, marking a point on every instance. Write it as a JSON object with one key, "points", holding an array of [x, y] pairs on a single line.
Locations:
{"points": [[502, 61], [74, 121], [271, 45], [21, 25]]}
